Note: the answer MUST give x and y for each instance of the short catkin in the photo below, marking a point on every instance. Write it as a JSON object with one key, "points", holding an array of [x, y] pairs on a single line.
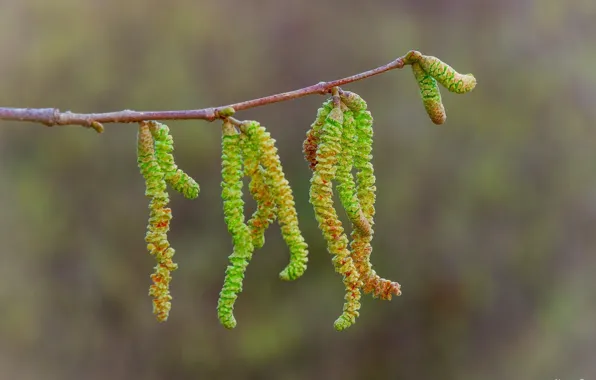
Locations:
{"points": [[234, 217], [446, 75], [159, 222], [429, 92]]}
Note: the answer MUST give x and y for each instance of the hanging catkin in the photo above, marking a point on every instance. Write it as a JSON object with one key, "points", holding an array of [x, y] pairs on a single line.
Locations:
{"points": [[164, 148], [159, 223], [321, 197], [260, 189], [365, 191], [234, 217], [283, 198], [310, 145], [429, 92]]}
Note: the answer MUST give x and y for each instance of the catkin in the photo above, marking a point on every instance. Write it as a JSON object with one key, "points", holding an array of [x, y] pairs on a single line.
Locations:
{"points": [[366, 189], [284, 199], [175, 177], [310, 145], [260, 188], [234, 218], [321, 197], [431, 97], [446, 75], [159, 221]]}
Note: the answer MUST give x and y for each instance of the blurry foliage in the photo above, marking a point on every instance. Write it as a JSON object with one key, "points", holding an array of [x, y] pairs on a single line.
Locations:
{"points": [[488, 221]]}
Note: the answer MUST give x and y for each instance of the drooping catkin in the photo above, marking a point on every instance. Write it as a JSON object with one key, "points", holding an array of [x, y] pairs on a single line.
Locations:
{"points": [[234, 217], [429, 92], [159, 220], [346, 187], [366, 189], [164, 148], [309, 147], [282, 194], [261, 191], [321, 197]]}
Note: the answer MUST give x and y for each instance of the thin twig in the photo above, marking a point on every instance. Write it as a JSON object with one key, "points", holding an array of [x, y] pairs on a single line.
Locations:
{"points": [[53, 116]]}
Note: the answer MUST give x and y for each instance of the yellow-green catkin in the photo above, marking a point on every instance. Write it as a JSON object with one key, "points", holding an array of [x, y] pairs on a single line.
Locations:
{"points": [[164, 148], [234, 217], [431, 97], [159, 221], [309, 147], [346, 187], [446, 75], [284, 199], [321, 197], [365, 190], [260, 189]]}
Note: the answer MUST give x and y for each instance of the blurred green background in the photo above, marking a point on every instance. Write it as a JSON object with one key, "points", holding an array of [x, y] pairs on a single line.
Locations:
{"points": [[488, 222]]}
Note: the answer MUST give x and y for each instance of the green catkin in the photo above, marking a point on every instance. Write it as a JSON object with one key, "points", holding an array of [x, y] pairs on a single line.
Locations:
{"points": [[234, 217], [431, 97], [361, 241], [282, 195], [175, 177], [309, 147], [159, 219], [266, 211], [446, 75], [321, 197], [347, 187], [353, 101]]}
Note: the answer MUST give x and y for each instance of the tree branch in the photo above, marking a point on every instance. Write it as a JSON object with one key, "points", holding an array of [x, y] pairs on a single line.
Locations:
{"points": [[53, 116]]}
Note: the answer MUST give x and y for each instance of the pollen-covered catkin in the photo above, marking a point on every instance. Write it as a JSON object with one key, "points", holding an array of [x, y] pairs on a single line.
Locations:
{"points": [[321, 197], [234, 217], [446, 75], [175, 177], [260, 189], [159, 220], [366, 189], [431, 97], [309, 147], [284, 199]]}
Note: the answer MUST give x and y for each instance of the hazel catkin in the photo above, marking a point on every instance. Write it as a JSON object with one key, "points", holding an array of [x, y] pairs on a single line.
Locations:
{"points": [[234, 217], [321, 197], [159, 221], [283, 198], [429, 92], [175, 177]]}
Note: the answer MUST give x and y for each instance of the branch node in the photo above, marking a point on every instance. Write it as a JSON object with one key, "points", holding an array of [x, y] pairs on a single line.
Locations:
{"points": [[322, 88], [411, 57], [223, 112], [97, 126]]}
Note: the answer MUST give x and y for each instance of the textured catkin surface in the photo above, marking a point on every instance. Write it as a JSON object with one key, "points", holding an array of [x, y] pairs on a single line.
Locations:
{"points": [[310, 145], [260, 188], [159, 223], [429, 92], [164, 148], [234, 217], [446, 75], [321, 197], [283, 198], [366, 193]]}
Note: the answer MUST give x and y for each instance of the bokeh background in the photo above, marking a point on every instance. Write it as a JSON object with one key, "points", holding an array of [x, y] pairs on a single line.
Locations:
{"points": [[488, 222]]}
